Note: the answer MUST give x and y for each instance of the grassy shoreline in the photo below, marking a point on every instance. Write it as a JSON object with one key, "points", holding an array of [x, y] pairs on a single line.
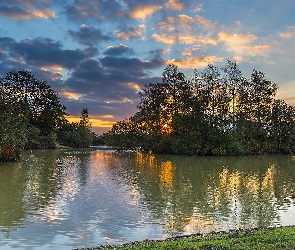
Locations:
{"points": [[257, 238]]}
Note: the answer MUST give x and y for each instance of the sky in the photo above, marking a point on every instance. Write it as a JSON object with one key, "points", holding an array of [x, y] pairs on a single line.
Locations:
{"points": [[99, 54]]}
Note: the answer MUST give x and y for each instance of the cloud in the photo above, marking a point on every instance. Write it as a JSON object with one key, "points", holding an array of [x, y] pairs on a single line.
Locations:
{"points": [[89, 35], [184, 23], [132, 64], [196, 62], [290, 34], [286, 92], [130, 33], [134, 86], [45, 52], [184, 39], [94, 9], [102, 121], [204, 23], [111, 84], [233, 40], [25, 10], [174, 5], [71, 95], [142, 12], [242, 45], [165, 38], [118, 50]]}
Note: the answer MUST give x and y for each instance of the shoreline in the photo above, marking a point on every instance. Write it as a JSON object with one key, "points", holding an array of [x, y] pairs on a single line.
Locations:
{"points": [[268, 238]]}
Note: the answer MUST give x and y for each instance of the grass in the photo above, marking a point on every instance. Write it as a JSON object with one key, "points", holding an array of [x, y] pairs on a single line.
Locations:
{"points": [[270, 238]]}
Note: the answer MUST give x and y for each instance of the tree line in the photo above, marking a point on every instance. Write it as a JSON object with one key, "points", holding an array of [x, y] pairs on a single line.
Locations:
{"points": [[32, 117], [216, 111]]}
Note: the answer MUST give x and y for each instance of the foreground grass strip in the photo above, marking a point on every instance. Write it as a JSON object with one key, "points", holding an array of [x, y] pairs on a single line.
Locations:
{"points": [[270, 238]]}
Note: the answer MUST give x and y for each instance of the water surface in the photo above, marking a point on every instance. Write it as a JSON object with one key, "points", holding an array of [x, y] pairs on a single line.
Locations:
{"points": [[69, 199]]}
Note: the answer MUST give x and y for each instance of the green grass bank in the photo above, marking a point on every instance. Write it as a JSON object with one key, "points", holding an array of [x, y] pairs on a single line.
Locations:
{"points": [[268, 238]]}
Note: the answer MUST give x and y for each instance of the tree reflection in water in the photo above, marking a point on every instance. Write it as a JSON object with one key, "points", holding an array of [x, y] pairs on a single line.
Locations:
{"points": [[201, 194], [72, 194]]}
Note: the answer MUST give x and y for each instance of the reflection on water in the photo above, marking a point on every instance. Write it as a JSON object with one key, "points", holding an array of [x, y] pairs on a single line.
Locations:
{"points": [[87, 198]]}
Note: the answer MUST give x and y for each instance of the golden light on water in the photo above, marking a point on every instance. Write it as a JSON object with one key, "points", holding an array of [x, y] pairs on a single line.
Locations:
{"points": [[166, 175]]}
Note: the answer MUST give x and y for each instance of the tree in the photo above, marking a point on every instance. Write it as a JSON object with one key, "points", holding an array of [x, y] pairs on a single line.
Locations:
{"points": [[30, 112], [13, 122], [76, 134], [281, 127], [84, 118], [38, 100], [217, 112]]}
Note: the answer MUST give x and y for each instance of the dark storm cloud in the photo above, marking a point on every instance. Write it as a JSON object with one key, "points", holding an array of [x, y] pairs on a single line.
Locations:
{"points": [[94, 9], [119, 50], [45, 52], [89, 35]]}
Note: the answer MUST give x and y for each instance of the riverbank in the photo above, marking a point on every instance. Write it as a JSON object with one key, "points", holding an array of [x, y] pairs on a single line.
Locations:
{"points": [[263, 238]]}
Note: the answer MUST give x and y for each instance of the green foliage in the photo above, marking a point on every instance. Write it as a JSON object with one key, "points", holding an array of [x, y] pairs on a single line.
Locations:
{"points": [[12, 137], [37, 100], [272, 238], [30, 112], [216, 112], [76, 134], [98, 140], [37, 141]]}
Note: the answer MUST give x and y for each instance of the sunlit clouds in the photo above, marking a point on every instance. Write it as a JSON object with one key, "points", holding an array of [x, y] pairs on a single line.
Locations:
{"points": [[289, 34], [100, 54], [25, 14], [143, 12], [196, 62], [104, 121], [71, 95], [174, 5], [243, 44], [132, 33]]}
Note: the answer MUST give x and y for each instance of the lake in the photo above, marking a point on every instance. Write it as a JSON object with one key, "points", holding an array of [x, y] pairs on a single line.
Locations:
{"points": [[84, 198]]}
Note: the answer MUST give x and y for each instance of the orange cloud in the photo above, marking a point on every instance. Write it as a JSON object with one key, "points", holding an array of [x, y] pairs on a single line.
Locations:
{"points": [[132, 33], [204, 23], [174, 5], [106, 116], [183, 22], [241, 44], [29, 14], [44, 14], [184, 39], [238, 59], [196, 62], [236, 39], [165, 38], [286, 92], [124, 100], [144, 11], [134, 86], [184, 19], [289, 34], [53, 67], [96, 122], [71, 95]]}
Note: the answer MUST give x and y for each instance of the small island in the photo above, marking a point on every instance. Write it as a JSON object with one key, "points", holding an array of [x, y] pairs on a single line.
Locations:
{"points": [[217, 111]]}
